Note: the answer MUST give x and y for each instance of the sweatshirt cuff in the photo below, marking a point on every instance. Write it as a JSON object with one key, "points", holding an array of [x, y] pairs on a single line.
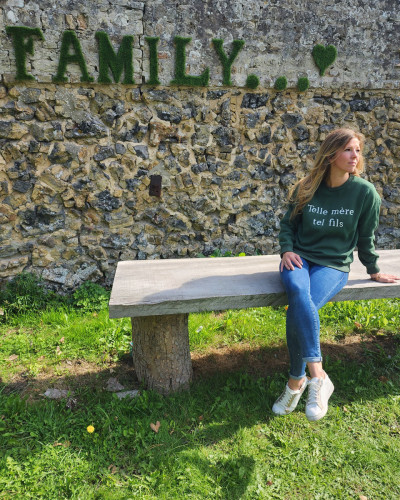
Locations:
{"points": [[373, 268], [286, 249]]}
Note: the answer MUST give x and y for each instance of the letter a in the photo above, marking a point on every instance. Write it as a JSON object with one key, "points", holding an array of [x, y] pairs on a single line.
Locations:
{"points": [[70, 39]]}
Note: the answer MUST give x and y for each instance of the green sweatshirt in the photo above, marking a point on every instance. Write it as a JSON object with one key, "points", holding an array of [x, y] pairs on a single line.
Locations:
{"points": [[333, 223]]}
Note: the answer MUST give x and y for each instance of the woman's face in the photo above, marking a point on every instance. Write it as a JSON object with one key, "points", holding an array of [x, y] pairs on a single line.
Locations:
{"points": [[347, 160]]}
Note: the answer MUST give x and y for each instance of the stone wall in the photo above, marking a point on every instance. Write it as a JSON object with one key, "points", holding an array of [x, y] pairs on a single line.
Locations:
{"points": [[76, 159], [279, 35], [76, 165]]}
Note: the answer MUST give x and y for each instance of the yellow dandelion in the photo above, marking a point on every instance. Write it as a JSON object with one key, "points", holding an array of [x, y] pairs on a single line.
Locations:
{"points": [[90, 429]]}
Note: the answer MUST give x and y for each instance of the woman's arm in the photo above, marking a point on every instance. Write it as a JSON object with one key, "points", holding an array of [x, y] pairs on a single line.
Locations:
{"points": [[367, 225], [288, 228], [287, 236], [366, 247]]}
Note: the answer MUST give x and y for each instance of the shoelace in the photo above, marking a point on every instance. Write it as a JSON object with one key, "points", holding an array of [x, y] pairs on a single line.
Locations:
{"points": [[289, 398], [314, 394]]}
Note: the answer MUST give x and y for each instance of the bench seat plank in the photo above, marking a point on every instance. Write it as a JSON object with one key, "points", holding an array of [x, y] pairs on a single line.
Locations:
{"points": [[180, 286]]}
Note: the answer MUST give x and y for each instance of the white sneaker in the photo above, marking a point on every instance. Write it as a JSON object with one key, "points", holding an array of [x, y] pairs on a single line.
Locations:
{"points": [[288, 400], [319, 392]]}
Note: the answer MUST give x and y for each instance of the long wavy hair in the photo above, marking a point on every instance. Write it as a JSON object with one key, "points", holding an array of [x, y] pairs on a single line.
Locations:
{"points": [[334, 143]]}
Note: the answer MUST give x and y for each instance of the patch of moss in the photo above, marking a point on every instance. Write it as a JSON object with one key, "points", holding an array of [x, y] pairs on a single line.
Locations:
{"points": [[281, 83], [303, 84], [252, 81]]}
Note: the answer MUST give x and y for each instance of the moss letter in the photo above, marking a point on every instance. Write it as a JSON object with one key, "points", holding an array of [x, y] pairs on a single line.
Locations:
{"points": [[153, 41], [108, 59], [22, 47], [180, 67], [70, 39], [225, 61]]}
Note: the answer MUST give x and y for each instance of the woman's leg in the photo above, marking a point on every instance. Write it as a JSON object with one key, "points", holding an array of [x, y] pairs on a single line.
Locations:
{"points": [[308, 289], [295, 282], [301, 318], [325, 283]]}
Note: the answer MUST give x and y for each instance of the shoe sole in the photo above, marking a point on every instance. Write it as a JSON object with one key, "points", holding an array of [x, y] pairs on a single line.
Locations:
{"points": [[282, 414], [314, 418]]}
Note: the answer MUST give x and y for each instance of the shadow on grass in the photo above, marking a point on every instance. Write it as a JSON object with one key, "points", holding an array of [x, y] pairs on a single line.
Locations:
{"points": [[259, 362], [233, 391], [267, 361]]}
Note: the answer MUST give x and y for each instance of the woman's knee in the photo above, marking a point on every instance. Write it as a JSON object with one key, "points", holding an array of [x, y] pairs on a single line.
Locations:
{"points": [[295, 287]]}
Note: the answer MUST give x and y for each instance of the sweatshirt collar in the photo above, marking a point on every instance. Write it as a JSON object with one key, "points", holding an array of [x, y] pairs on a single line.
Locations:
{"points": [[338, 188]]}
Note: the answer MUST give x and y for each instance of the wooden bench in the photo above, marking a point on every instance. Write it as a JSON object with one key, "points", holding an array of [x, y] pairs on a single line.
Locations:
{"points": [[158, 296]]}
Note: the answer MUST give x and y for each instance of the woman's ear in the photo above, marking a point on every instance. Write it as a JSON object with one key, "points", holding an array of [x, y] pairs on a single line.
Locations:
{"points": [[331, 158]]}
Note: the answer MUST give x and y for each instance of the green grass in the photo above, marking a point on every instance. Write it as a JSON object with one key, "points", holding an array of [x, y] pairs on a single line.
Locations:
{"points": [[220, 440], [48, 337], [266, 326]]}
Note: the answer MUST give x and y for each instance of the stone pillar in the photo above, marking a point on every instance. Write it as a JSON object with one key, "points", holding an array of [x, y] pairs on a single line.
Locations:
{"points": [[161, 354]]}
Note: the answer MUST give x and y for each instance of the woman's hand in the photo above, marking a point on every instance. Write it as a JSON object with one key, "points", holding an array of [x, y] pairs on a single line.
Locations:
{"points": [[289, 260], [384, 278]]}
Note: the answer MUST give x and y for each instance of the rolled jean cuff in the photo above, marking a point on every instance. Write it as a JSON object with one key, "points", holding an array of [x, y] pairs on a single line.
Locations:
{"points": [[297, 377], [313, 359]]}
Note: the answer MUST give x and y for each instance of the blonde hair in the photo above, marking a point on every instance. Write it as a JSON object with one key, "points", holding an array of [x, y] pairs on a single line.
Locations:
{"points": [[335, 142]]}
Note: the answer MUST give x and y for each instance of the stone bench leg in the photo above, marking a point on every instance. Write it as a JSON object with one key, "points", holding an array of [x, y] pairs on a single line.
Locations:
{"points": [[161, 354]]}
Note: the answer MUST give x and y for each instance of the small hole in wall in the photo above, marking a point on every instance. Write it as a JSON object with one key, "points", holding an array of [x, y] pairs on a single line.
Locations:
{"points": [[155, 185]]}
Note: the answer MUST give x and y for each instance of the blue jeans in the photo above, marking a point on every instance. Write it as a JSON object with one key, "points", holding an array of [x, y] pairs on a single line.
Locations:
{"points": [[308, 289]]}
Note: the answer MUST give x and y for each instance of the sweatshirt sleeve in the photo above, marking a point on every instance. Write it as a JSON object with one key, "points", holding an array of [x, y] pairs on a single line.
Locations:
{"points": [[287, 231], [367, 225]]}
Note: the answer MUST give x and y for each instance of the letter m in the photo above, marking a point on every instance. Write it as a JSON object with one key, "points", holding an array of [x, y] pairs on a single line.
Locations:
{"points": [[108, 59]]}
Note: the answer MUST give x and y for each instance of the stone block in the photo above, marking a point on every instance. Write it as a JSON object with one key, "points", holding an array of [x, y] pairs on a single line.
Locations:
{"points": [[12, 266], [13, 130]]}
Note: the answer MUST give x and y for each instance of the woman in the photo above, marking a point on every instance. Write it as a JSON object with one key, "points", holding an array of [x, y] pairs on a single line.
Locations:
{"points": [[332, 210]]}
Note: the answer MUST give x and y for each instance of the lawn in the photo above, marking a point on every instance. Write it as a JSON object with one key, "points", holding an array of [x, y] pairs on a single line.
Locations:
{"points": [[220, 440]]}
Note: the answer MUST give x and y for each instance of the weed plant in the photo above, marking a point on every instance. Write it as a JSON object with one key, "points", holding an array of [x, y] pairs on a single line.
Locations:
{"points": [[218, 441], [26, 293], [91, 297]]}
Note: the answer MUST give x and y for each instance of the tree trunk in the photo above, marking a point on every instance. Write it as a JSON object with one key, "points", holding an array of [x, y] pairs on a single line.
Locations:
{"points": [[161, 354]]}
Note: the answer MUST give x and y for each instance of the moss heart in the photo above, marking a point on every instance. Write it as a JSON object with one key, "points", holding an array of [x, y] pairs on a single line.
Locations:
{"points": [[324, 57]]}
